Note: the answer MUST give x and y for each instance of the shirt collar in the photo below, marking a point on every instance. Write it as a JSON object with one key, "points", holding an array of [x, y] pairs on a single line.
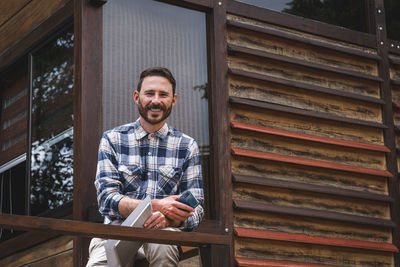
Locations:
{"points": [[140, 132]]}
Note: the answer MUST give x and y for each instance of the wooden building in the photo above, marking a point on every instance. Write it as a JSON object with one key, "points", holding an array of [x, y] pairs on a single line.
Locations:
{"points": [[297, 121]]}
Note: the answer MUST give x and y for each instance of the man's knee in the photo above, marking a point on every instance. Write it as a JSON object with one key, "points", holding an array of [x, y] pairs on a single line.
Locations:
{"points": [[161, 254], [97, 253]]}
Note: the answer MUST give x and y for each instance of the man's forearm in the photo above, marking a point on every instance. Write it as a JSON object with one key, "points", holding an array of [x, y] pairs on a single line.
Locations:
{"points": [[126, 205]]}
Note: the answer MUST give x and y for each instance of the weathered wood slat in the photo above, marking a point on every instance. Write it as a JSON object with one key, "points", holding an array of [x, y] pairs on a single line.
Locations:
{"points": [[310, 226], [39, 254], [326, 140], [13, 151], [310, 188], [310, 162], [396, 106], [301, 51], [394, 60], [310, 253], [13, 109], [303, 74], [310, 41], [13, 130], [305, 86], [307, 125], [297, 62], [285, 146], [313, 114], [395, 82], [314, 201], [279, 94], [317, 176], [334, 216], [245, 262], [337, 242]]}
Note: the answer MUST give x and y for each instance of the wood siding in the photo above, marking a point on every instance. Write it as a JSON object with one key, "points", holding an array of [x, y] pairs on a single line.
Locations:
{"points": [[21, 17], [310, 178], [56, 252]]}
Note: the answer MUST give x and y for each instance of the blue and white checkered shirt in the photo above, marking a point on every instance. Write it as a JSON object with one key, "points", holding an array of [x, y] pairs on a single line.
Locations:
{"points": [[135, 163]]}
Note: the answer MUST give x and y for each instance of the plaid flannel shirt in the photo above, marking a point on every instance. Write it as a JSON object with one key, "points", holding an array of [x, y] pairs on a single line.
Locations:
{"points": [[135, 163]]}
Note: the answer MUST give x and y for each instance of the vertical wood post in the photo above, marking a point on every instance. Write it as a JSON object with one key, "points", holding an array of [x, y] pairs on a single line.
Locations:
{"points": [[387, 113], [221, 157], [87, 113]]}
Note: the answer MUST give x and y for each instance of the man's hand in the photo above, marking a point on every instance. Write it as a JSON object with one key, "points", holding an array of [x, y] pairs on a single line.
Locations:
{"points": [[157, 221], [172, 208]]}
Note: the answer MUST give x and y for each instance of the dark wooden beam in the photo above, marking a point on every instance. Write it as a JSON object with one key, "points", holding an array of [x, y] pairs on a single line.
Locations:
{"points": [[98, 3], [234, 49], [108, 231], [88, 86], [303, 212], [301, 24], [304, 86], [389, 134], [220, 132], [264, 105], [200, 5]]}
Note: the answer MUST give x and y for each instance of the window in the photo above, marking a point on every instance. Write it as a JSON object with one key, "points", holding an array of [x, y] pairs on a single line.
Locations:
{"points": [[47, 185], [140, 34], [392, 11], [51, 167], [348, 14]]}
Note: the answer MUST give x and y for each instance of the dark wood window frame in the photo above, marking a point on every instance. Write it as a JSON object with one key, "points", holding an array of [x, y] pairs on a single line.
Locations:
{"points": [[217, 233]]}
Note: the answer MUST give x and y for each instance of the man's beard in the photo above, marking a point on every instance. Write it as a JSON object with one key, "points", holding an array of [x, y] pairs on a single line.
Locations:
{"points": [[143, 111]]}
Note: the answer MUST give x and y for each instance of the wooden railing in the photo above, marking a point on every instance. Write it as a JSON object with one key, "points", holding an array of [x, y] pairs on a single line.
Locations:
{"points": [[90, 229]]}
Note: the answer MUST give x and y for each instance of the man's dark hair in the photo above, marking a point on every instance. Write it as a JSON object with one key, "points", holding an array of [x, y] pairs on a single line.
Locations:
{"points": [[157, 71]]}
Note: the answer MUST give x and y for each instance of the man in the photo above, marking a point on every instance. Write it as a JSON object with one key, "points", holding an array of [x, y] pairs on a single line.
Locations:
{"points": [[148, 157]]}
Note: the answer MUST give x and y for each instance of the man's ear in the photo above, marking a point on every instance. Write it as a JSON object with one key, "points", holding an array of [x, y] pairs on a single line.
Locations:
{"points": [[136, 96], [174, 99]]}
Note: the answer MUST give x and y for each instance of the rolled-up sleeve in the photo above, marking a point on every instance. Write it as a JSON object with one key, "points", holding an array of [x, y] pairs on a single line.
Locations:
{"points": [[108, 181], [192, 180]]}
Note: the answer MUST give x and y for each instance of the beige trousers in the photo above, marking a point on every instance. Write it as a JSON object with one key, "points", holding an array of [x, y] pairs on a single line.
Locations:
{"points": [[156, 254]]}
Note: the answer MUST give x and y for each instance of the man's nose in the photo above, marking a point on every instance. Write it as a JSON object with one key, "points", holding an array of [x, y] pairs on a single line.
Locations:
{"points": [[156, 99]]}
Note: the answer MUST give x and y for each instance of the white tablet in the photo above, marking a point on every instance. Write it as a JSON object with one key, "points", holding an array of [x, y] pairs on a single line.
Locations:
{"points": [[120, 252]]}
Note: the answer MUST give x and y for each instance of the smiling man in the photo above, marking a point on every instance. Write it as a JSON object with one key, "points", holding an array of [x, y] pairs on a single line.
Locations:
{"points": [[149, 158]]}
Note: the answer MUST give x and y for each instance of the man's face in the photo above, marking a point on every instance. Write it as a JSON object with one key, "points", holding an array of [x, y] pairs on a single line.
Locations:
{"points": [[155, 100]]}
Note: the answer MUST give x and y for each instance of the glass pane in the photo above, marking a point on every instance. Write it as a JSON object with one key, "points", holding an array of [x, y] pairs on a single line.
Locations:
{"points": [[348, 14], [392, 11], [13, 112], [142, 33], [52, 122], [12, 195]]}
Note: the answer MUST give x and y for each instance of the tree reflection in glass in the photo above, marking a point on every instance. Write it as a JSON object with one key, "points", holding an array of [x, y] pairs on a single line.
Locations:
{"points": [[52, 122]]}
